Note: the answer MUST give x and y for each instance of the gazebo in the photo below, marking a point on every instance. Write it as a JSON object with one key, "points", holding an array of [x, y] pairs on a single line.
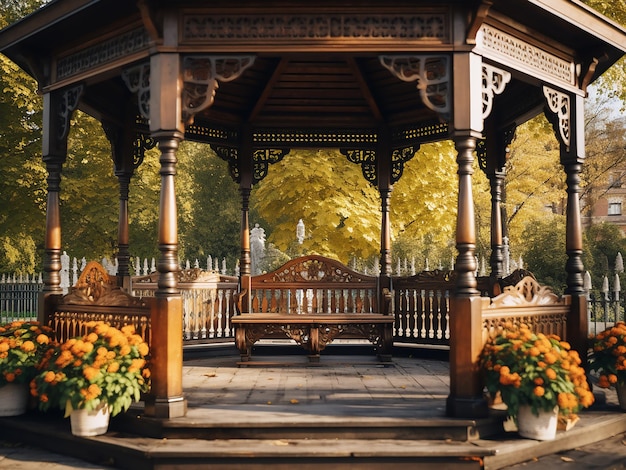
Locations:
{"points": [[254, 79]]}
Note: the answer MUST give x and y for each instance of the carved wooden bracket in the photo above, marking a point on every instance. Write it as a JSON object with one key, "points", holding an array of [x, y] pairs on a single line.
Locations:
{"points": [[559, 106], [494, 82], [261, 160], [67, 105], [140, 145], [231, 156], [398, 158], [200, 79], [432, 73], [137, 80], [367, 160]]}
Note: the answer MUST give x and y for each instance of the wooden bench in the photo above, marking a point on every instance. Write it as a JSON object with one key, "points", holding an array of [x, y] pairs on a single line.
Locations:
{"points": [[95, 297], [313, 300]]}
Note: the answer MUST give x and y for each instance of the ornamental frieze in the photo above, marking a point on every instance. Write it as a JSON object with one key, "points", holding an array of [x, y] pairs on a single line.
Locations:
{"points": [[102, 53], [511, 50], [320, 26]]}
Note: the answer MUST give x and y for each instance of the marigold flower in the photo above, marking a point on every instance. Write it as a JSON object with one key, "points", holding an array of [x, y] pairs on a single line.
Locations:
{"points": [[539, 391], [43, 339], [113, 367], [9, 376], [49, 377], [143, 349], [90, 373]]}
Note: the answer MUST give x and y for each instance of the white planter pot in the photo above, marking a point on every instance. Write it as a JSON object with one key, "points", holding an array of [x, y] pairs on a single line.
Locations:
{"points": [[541, 428], [13, 399], [90, 423]]}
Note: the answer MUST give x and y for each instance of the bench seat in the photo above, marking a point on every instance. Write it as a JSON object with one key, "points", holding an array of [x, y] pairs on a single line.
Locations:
{"points": [[314, 331]]}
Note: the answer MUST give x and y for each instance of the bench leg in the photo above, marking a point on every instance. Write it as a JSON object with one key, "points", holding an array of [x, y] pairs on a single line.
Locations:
{"points": [[384, 354], [314, 344], [245, 350]]}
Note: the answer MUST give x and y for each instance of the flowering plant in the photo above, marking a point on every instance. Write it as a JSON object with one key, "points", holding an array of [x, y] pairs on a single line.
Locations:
{"points": [[536, 370], [23, 344], [106, 366], [608, 357]]}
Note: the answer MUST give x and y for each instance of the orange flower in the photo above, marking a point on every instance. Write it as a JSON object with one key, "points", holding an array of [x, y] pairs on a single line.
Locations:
{"points": [[143, 349], [43, 339], [539, 391]]}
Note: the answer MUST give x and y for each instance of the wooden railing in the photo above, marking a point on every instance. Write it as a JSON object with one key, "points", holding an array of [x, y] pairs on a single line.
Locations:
{"points": [[420, 304], [208, 302]]}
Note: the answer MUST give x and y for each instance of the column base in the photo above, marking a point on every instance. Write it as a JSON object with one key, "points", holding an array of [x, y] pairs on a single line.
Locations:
{"points": [[165, 408], [469, 408]]}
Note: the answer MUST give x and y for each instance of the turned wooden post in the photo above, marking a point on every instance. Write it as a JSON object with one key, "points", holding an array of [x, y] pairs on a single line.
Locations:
{"points": [[58, 107], [166, 398], [466, 398], [565, 112]]}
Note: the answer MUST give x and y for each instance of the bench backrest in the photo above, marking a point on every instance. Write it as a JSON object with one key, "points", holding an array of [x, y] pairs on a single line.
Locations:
{"points": [[530, 303], [314, 284]]}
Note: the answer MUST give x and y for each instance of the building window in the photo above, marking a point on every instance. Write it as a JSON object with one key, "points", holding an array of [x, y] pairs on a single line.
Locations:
{"points": [[615, 208], [615, 180]]}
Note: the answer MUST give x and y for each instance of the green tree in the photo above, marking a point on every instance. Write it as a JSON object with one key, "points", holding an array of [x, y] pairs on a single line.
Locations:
{"points": [[23, 194], [544, 250], [340, 210], [210, 208], [423, 206]]}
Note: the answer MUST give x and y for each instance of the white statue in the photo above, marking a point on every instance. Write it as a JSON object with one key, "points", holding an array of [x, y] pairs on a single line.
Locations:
{"points": [[257, 248]]}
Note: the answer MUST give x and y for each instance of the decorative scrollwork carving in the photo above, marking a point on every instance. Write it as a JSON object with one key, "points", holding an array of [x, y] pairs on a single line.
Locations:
{"points": [[559, 105], [94, 287], [318, 26], [102, 52], [510, 49], [200, 79], [314, 268], [142, 143], [367, 160], [261, 160], [525, 293], [137, 79], [494, 82], [231, 156], [67, 105], [398, 158], [432, 74]]}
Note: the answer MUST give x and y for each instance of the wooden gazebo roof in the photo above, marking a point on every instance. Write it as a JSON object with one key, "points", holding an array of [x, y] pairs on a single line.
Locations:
{"points": [[314, 77]]}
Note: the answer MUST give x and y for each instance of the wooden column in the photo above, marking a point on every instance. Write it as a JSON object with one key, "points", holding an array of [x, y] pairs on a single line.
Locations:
{"points": [[245, 187], [122, 139], [492, 156], [466, 399], [58, 107], [566, 113], [166, 398], [385, 187]]}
